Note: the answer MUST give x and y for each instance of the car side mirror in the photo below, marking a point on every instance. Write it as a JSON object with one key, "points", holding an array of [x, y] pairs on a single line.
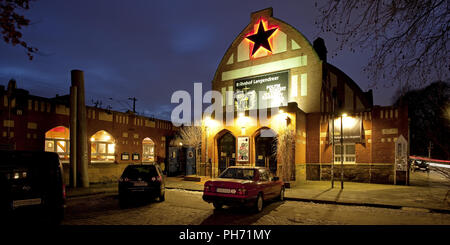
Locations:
{"points": [[275, 178]]}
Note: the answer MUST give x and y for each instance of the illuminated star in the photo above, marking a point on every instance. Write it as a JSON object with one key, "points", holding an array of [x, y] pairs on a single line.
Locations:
{"points": [[261, 38]]}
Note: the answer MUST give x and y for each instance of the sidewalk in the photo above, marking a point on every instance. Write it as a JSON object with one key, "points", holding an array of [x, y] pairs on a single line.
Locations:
{"points": [[374, 195]]}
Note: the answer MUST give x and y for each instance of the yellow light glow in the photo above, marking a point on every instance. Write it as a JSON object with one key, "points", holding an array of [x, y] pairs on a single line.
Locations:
{"points": [[207, 121], [344, 114], [242, 121], [347, 122], [280, 111], [210, 125]]}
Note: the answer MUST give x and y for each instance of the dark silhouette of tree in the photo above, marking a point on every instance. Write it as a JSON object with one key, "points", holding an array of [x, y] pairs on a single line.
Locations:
{"points": [[408, 38], [11, 23], [429, 111]]}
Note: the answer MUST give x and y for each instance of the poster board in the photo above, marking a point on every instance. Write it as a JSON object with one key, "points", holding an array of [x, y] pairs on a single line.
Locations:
{"points": [[243, 149]]}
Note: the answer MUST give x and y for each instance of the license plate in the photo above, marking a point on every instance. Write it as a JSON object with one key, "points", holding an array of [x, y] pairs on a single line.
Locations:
{"points": [[223, 190], [142, 183], [26, 202]]}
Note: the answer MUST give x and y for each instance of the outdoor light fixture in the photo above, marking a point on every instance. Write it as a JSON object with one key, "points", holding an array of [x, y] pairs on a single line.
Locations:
{"points": [[207, 121]]}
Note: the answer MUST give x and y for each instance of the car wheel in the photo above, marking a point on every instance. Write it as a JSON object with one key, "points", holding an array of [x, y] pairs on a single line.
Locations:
{"points": [[281, 197], [123, 203], [259, 203], [217, 205]]}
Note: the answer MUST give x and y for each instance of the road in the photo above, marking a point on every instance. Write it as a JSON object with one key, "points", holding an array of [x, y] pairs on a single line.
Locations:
{"points": [[187, 208]]}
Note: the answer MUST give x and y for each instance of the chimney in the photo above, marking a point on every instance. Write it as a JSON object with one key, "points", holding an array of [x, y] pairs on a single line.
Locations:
{"points": [[12, 85], [319, 46], [267, 12]]}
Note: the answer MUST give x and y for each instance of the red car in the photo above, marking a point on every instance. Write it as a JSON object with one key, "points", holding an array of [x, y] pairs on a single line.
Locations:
{"points": [[243, 186]]}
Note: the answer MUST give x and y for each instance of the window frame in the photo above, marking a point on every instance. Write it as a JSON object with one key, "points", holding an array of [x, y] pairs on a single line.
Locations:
{"points": [[347, 156]]}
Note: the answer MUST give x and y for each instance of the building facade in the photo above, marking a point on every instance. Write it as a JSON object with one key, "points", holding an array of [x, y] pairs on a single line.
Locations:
{"points": [[115, 139], [274, 83]]}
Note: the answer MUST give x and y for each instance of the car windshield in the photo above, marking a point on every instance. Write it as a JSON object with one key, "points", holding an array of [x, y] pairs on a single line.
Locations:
{"points": [[238, 173], [134, 172]]}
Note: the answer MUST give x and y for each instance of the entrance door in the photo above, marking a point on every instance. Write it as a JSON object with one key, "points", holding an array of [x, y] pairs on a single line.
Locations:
{"points": [[227, 151], [190, 161], [265, 149]]}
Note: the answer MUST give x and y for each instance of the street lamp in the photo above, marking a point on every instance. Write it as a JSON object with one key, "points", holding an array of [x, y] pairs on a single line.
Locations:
{"points": [[342, 150]]}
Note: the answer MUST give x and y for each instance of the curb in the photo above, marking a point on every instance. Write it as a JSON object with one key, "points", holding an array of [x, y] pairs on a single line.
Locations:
{"points": [[91, 194], [374, 205], [297, 199]]}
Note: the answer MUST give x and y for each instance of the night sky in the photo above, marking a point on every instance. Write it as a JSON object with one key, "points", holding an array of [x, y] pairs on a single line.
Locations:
{"points": [[148, 49]]}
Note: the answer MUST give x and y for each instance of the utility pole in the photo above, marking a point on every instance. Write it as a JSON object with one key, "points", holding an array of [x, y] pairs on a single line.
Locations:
{"points": [[430, 146], [342, 155], [134, 103]]}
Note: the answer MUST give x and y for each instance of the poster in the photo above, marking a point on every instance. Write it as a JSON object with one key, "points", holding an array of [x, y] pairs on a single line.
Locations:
{"points": [[260, 92], [243, 149]]}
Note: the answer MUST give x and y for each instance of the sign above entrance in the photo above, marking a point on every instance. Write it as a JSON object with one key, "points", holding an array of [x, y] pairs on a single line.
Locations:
{"points": [[260, 92], [260, 39]]}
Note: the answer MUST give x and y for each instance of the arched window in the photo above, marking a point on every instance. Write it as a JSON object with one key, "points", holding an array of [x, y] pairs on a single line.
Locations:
{"points": [[148, 150], [57, 140], [103, 148]]}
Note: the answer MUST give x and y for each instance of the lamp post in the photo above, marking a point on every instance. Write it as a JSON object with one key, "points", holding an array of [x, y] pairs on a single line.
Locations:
{"points": [[207, 121], [333, 150], [342, 151]]}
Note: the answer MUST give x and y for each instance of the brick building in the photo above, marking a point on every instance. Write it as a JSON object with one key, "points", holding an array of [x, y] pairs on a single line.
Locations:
{"points": [[270, 65], [30, 122]]}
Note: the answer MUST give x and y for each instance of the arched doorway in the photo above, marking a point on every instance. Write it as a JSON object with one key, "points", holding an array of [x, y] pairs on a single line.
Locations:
{"points": [[148, 150], [266, 149], [103, 148], [57, 140], [226, 145]]}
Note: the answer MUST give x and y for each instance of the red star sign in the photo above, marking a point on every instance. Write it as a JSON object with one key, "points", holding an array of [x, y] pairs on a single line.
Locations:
{"points": [[261, 38]]}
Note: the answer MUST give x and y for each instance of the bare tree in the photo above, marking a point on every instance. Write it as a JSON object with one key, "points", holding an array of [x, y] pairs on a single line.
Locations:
{"points": [[408, 38], [192, 136], [285, 142], [11, 23]]}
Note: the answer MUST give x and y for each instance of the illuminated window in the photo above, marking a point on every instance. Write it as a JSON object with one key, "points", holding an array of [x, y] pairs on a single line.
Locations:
{"points": [[148, 150], [58, 140], [103, 148], [349, 153]]}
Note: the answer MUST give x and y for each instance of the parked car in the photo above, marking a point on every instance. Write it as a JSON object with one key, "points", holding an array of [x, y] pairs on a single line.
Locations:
{"points": [[421, 166], [32, 187], [141, 181], [247, 186]]}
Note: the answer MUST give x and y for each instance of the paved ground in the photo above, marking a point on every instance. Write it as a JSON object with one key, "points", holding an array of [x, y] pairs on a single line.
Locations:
{"points": [[427, 191], [187, 208]]}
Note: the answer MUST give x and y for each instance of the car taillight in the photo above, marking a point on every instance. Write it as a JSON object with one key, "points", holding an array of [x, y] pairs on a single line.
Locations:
{"points": [[64, 191], [241, 191], [157, 178], [209, 188]]}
